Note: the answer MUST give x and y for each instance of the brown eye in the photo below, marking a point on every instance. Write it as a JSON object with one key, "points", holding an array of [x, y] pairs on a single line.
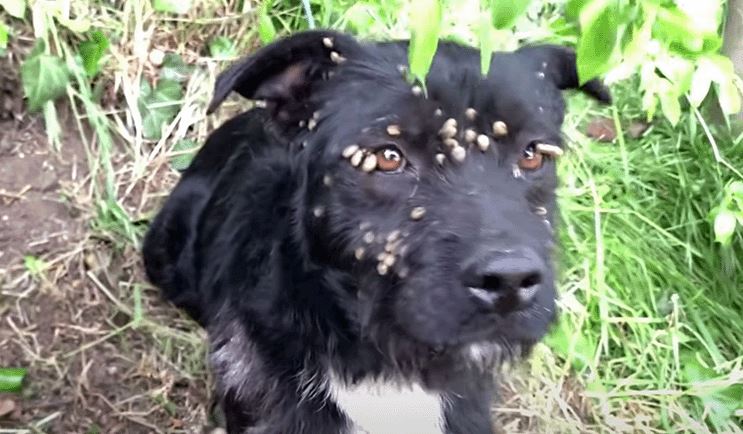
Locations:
{"points": [[390, 159], [531, 158]]}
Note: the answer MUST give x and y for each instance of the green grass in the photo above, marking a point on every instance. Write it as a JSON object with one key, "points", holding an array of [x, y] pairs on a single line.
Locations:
{"points": [[646, 290], [651, 336]]}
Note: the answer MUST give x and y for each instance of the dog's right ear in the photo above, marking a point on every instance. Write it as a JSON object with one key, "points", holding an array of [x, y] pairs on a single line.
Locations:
{"points": [[284, 71]]}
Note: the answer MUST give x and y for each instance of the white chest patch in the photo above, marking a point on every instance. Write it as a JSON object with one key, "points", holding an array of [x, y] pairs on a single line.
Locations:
{"points": [[389, 408]]}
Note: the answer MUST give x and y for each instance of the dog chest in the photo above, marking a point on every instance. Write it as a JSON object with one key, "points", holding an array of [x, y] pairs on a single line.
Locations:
{"points": [[388, 408]]}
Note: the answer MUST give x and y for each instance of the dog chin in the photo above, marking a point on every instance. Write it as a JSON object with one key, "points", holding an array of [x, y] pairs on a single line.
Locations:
{"points": [[488, 330]]}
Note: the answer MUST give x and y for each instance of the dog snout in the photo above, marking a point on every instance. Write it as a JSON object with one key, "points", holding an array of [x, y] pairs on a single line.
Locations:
{"points": [[507, 280]]}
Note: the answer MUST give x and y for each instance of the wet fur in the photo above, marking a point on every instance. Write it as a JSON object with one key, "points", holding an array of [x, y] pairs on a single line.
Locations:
{"points": [[239, 244]]}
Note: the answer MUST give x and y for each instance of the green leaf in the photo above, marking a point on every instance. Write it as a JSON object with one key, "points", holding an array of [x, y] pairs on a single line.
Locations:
{"points": [[92, 52], [11, 379], [3, 38], [16, 8], [34, 265], [172, 6], [599, 31], [729, 97], [736, 189], [486, 43], [679, 71], [573, 8], [504, 13], [669, 101], [222, 48], [563, 29], [720, 400], [681, 34], [159, 106], [719, 67], [712, 43], [186, 150], [44, 77], [266, 29], [424, 38], [571, 345], [360, 17], [79, 25], [174, 68], [700, 85], [725, 223]]}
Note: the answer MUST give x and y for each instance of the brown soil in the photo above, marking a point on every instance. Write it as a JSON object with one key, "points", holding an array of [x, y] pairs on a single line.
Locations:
{"points": [[89, 368]]}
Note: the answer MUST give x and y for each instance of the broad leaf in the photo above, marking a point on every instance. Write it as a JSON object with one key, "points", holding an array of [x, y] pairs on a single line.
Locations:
{"points": [[44, 77], [573, 8], [669, 101], [77, 25], [424, 39], [599, 30], [719, 67], [700, 85], [92, 52], [504, 13], [674, 26], [159, 106], [186, 150], [266, 29], [725, 223], [678, 71], [222, 48], [174, 68], [736, 189], [720, 400], [172, 6], [729, 97], [16, 8]]}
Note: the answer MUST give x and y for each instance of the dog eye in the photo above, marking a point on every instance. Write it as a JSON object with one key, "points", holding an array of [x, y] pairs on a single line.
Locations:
{"points": [[390, 159], [531, 158]]}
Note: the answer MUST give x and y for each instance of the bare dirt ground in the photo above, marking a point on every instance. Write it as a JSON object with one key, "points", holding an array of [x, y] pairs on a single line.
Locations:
{"points": [[65, 298]]}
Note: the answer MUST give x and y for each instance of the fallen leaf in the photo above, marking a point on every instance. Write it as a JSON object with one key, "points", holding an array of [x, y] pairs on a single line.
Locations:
{"points": [[7, 406], [602, 130]]}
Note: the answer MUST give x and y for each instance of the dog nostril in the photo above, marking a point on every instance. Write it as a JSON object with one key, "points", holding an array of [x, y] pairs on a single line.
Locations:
{"points": [[510, 281], [505, 276], [531, 280]]}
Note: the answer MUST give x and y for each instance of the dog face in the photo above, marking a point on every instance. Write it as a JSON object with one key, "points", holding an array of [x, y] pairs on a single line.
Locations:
{"points": [[437, 202]]}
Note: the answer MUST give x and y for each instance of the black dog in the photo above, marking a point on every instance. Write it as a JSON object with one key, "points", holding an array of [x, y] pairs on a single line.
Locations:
{"points": [[355, 229]]}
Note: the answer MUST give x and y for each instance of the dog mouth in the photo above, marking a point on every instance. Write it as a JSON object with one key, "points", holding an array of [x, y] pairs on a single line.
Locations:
{"points": [[477, 314]]}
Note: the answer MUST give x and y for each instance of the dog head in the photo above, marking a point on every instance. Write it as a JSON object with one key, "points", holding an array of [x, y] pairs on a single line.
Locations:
{"points": [[435, 202]]}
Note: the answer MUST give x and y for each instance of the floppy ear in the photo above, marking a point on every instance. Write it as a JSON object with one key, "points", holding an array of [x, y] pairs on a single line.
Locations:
{"points": [[559, 64], [285, 71]]}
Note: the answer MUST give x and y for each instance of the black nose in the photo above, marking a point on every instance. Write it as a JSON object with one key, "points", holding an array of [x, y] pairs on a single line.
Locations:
{"points": [[506, 279]]}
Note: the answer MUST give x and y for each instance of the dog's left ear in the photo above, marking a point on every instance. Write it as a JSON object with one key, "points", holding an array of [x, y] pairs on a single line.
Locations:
{"points": [[559, 64], [284, 71]]}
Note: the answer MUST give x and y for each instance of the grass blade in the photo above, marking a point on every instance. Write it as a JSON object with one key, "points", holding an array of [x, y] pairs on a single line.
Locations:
{"points": [[11, 379]]}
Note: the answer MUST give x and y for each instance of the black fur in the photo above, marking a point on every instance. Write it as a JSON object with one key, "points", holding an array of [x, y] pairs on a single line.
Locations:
{"points": [[258, 249]]}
